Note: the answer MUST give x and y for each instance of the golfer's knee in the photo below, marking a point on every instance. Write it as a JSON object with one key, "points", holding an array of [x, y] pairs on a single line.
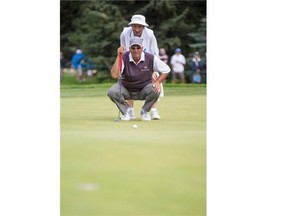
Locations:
{"points": [[111, 94], [153, 95]]}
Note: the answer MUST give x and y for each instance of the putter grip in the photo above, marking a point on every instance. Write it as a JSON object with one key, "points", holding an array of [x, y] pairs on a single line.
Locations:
{"points": [[120, 61]]}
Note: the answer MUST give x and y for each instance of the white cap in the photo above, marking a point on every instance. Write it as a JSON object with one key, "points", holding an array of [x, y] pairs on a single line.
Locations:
{"points": [[78, 51], [138, 19], [135, 41]]}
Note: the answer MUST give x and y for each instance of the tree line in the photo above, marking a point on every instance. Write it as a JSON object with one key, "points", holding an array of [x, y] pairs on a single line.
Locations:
{"points": [[95, 26]]}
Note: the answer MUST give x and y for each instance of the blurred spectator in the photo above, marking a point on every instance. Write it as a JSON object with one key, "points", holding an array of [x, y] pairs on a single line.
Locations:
{"points": [[204, 71], [163, 56], [177, 62], [77, 61], [88, 68], [196, 68], [63, 65]]}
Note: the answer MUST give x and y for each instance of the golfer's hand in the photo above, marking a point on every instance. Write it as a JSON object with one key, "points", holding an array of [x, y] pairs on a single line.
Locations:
{"points": [[155, 75], [156, 87], [120, 50]]}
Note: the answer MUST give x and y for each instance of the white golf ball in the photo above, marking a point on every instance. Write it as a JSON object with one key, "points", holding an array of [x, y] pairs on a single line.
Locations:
{"points": [[135, 126]]}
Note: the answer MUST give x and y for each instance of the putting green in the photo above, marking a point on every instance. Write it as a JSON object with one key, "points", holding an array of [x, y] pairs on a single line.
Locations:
{"points": [[110, 168]]}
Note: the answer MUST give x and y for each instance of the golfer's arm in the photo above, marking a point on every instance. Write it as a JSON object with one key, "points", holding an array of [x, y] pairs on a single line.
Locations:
{"points": [[115, 71], [162, 68], [162, 77]]}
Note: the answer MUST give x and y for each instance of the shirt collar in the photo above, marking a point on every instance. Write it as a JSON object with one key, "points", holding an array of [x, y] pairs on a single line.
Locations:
{"points": [[142, 58]]}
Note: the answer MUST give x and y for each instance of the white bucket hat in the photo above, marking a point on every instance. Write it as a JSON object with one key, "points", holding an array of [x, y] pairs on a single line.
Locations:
{"points": [[138, 19]]}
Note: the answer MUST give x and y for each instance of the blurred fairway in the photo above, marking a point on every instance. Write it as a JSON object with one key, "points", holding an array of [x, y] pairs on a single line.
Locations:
{"points": [[111, 169]]}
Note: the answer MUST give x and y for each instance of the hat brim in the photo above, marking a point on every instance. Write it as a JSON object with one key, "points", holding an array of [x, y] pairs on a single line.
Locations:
{"points": [[144, 24], [138, 44]]}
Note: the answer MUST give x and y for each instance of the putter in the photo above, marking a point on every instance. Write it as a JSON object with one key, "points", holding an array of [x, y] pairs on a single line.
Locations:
{"points": [[120, 67], [117, 120]]}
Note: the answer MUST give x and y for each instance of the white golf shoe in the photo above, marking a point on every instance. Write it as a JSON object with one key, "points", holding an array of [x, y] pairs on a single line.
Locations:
{"points": [[155, 114], [125, 117], [131, 112], [145, 116]]}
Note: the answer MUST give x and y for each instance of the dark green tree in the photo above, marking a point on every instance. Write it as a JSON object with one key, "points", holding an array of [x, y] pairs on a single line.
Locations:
{"points": [[198, 42], [97, 31], [69, 11], [95, 26]]}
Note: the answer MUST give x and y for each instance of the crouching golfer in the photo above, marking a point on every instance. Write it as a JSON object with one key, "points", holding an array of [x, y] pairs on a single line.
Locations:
{"points": [[136, 81]]}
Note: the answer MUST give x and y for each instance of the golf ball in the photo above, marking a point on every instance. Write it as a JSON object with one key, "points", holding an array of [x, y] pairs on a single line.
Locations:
{"points": [[135, 126]]}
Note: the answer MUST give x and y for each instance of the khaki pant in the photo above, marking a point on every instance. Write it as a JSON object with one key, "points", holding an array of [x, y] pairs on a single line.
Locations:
{"points": [[178, 74]]}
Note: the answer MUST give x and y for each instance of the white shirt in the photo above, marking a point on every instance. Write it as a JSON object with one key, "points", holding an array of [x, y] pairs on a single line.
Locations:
{"points": [[148, 37], [158, 64], [178, 62]]}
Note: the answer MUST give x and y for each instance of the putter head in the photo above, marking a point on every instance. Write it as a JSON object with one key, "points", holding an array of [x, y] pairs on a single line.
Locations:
{"points": [[117, 120]]}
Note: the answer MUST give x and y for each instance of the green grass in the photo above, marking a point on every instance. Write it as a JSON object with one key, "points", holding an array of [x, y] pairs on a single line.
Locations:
{"points": [[158, 169]]}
